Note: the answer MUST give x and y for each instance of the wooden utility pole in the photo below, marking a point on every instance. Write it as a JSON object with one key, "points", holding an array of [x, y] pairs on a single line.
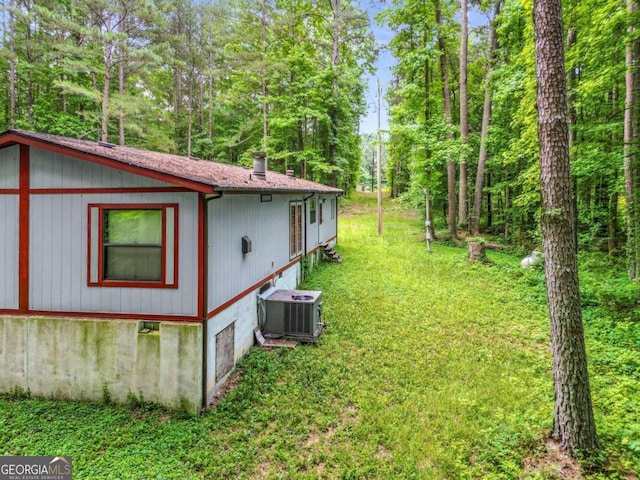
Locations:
{"points": [[379, 167], [427, 222]]}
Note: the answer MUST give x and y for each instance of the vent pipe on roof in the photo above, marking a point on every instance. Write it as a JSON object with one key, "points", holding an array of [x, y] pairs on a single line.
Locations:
{"points": [[291, 173], [260, 165]]}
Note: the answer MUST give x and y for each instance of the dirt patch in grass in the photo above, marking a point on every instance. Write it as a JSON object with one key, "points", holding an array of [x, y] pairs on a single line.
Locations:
{"points": [[553, 461], [229, 384]]}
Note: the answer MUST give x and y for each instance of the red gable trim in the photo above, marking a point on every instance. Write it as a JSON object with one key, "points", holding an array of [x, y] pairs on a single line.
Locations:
{"points": [[23, 235], [12, 138]]}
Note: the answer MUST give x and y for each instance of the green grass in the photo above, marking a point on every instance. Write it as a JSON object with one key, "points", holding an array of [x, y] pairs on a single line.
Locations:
{"points": [[430, 368]]}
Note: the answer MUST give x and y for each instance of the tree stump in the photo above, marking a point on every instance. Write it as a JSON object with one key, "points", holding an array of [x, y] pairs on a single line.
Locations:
{"points": [[477, 252]]}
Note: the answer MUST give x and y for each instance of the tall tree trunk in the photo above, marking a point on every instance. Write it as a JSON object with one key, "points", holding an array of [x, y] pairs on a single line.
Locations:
{"points": [[612, 224], [333, 113], [121, 82], [190, 113], [486, 120], [12, 66], [108, 54], [210, 106], [464, 121], [446, 98], [612, 217], [630, 155], [573, 422], [29, 58]]}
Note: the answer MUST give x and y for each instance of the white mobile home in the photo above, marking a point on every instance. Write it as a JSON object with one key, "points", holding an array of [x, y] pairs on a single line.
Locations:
{"points": [[129, 272]]}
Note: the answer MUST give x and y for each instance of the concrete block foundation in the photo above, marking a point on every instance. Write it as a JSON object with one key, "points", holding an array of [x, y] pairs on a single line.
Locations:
{"points": [[88, 359]]}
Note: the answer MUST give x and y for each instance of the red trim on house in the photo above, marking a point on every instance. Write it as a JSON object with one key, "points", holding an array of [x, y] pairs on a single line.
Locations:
{"points": [[106, 316], [12, 138], [9, 191], [201, 257], [68, 191], [176, 245], [102, 282], [252, 288], [23, 249]]}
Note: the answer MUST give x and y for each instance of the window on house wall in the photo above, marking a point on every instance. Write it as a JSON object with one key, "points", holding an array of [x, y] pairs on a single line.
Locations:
{"points": [[312, 211], [295, 229], [333, 208], [133, 245], [320, 205]]}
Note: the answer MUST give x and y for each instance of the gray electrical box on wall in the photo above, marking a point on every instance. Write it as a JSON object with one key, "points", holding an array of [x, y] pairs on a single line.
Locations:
{"points": [[246, 244]]}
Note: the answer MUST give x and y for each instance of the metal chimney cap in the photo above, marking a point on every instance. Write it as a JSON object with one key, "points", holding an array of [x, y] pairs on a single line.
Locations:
{"points": [[260, 165]]}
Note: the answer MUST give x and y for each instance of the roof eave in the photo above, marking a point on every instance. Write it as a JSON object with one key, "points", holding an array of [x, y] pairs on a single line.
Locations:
{"points": [[12, 137], [276, 190]]}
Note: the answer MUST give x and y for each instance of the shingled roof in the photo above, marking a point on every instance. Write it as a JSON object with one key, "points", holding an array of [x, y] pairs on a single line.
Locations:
{"points": [[199, 175]]}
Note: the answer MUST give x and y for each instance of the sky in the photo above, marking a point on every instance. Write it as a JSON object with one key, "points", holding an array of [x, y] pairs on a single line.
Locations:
{"points": [[383, 65]]}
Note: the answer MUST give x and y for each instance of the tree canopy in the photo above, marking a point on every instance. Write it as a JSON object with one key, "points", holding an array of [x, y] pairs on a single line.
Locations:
{"points": [[215, 80], [500, 64]]}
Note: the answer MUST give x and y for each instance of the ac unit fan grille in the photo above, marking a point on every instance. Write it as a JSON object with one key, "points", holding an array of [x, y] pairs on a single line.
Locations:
{"points": [[298, 318]]}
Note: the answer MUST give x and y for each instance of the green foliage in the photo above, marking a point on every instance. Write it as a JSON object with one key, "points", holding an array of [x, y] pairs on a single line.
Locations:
{"points": [[196, 78], [595, 74]]}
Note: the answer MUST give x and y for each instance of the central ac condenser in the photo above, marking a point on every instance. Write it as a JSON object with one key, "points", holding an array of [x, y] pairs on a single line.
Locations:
{"points": [[295, 314]]}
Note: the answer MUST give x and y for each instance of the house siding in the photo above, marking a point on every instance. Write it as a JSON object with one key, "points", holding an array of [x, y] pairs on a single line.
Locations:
{"points": [[328, 230], [267, 225], [58, 237], [54, 170], [8, 252], [9, 218], [59, 256], [9, 167], [319, 233]]}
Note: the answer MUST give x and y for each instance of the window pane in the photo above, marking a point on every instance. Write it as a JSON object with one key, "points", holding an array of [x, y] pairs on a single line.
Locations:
{"points": [[132, 245], [312, 210], [133, 263], [131, 227]]}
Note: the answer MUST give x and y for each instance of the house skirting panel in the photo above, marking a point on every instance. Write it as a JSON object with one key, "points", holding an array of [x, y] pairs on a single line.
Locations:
{"points": [[243, 314], [87, 359]]}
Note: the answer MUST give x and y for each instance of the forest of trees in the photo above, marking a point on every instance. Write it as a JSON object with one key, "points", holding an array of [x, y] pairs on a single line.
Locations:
{"points": [[218, 80], [463, 117], [214, 80]]}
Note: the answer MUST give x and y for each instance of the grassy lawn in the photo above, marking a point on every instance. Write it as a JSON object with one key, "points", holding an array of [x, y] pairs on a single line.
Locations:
{"points": [[430, 368]]}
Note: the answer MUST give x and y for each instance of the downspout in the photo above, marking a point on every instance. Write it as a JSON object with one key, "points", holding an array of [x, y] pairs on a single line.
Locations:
{"points": [[205, 297]]}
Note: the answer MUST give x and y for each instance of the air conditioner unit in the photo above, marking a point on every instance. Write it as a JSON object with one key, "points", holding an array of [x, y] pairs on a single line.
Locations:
{"points": [[295, 314]]}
